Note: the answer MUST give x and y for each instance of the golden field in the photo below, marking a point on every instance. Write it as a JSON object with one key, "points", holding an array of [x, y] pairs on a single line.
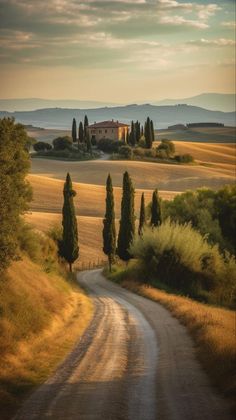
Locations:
{"points": [[215, 167], [89, 200], [145, 175], [35, 308]]}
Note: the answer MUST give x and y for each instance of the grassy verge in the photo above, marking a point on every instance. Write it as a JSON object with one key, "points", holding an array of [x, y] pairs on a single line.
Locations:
{"points": [[212, 328], [42, 316]]}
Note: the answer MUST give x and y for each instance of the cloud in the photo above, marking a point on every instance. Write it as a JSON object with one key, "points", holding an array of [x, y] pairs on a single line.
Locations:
{"points": [[221, 42], [180, 20], [229, 24]]}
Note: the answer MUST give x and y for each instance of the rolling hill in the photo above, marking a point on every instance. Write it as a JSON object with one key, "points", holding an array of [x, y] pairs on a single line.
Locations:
{"points": [[162, 116], [214, 101]]}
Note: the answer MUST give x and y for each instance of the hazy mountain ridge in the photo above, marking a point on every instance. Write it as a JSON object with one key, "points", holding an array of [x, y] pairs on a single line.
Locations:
{"points": [[162, 116], [212, 101], [34, 104]]}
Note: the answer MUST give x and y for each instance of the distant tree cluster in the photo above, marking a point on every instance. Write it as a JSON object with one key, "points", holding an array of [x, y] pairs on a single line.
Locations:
{"points": [[212, 213], [149, 133], [138, 132], [81, 136]]}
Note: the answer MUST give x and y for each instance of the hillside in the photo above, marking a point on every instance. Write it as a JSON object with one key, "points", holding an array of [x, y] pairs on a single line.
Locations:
{"points": [[216, 167], [199, 134], [162, 116], [35, 308], [145, 175]]}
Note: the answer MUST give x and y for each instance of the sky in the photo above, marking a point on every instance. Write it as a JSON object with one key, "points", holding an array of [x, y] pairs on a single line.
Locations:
{"points": [[118, 51]]}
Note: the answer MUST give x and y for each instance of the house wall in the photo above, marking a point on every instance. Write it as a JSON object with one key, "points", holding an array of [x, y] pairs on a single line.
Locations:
{"points": [[119, 133]]}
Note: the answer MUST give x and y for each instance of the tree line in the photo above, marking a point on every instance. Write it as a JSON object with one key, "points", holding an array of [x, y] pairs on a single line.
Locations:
{"points": [[138, 131], [112, 245], [81, 135], [120, 246]]}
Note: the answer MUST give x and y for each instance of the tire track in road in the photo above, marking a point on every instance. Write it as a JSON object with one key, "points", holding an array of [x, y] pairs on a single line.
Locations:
{"points": [[134, 362]]}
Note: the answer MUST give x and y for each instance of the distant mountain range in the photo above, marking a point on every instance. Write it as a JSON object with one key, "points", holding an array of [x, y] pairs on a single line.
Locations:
{"points": [[162, 116], [32, 104], [211, 101]]}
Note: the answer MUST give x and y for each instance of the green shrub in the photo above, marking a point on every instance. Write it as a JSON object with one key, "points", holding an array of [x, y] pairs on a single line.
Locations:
{"points": [[42, 145], [180, 257], [126, 152], [186, 158], [109, 146], [62, 143], [213, 213], [39, 247], [166, 147], [142, 142]]}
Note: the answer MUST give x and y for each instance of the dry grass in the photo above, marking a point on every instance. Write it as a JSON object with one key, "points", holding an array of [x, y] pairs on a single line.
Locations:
{"points": [[47, 134], [89, 201], [145, 175], [90, 233], [208, 152], [200, 134], [213, 330], [35, 308]]}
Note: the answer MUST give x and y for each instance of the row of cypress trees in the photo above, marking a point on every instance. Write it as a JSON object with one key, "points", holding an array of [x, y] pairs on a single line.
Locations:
{"points": [[81, 131], [127, 221], [137, 131], [69, 247]]}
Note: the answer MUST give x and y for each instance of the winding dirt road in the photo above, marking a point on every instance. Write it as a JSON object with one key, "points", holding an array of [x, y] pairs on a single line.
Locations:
{"points": [[134, 362]]}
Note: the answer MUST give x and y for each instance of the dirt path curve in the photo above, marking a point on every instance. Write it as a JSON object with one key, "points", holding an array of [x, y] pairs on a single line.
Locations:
{"points": [[134, 362]]}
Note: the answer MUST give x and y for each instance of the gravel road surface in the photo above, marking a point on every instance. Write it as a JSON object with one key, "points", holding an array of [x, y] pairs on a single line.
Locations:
{"points": [[134, 362]]}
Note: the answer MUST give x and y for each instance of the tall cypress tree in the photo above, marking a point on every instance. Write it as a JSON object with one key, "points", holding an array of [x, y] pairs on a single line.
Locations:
{"points": [[137, 131], [69, 246], [109, 228], [81, 132], [86, 123], [148, 133], [156, 218], [127, 222], [132, 135], [74, 131], [152, 131], [142, 216], [142, 131]]}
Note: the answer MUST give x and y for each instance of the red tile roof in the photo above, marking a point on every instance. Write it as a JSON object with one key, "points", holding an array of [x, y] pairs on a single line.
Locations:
{"points": [[108, 124]]}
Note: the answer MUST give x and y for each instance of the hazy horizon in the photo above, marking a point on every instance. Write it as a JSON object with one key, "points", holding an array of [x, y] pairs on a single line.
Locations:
{"points": [[116, 51]]}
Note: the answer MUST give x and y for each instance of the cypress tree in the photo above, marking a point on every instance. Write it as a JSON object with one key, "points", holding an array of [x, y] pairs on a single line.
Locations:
{"points": [[69, 246], [86, 123], [152, 131], [109, 228], [127, 222], [148, 133], [132, 135], [142, 216], [156, 218], [137, 131], [81, 132], [142, 131], [74, 131]]}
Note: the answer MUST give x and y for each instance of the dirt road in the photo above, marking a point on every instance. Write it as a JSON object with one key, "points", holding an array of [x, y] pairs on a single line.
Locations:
{"points": [[135, 361]]}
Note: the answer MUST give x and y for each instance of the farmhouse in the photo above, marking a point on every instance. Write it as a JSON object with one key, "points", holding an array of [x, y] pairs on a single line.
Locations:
{"points": [[113, 130]]}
